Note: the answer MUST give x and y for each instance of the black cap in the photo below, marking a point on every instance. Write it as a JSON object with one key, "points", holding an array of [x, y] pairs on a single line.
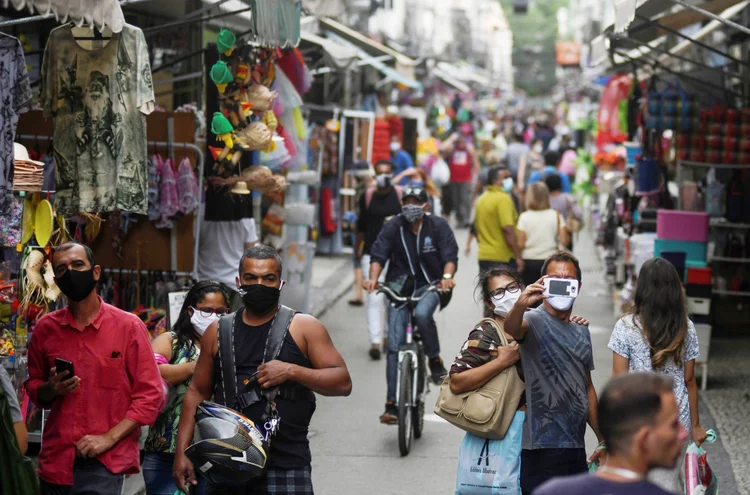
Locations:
{"points": [[417, 192]]}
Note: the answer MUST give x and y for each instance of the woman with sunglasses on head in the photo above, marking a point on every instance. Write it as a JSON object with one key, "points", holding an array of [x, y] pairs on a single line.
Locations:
{"points": [[177, 353]]}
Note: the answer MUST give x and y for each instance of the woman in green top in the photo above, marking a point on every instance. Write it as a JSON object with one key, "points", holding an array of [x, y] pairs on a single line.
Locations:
{"points": [[204, 303]]}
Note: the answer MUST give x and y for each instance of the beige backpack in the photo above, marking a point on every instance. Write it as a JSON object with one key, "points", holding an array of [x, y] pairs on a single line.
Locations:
{"points": [[488, 411]]}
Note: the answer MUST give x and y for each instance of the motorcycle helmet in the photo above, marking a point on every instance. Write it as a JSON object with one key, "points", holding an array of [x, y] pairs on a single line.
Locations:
{"points": [[231, 449]]}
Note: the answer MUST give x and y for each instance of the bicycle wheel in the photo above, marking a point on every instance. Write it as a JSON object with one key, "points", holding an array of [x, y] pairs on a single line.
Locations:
{"points": [[404, 406], [418, 408]]}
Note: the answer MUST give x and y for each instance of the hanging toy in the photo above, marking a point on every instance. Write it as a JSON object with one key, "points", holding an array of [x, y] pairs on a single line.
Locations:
{"points": [[221, 75], [225, 42], [256, 136], [261, 97], [269, 118], [52, 292], [244, 76], [221, 126]]}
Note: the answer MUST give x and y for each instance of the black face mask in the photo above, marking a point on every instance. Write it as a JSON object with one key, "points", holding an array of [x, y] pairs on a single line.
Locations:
{"points": [[260, 299], [76, 285]]}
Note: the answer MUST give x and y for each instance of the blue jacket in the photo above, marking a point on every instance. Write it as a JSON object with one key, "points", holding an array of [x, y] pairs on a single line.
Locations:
{"points": [[429, 251], [402, 161]]}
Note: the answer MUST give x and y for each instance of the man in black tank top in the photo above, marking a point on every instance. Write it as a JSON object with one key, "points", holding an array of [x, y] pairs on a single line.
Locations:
{"points": [[308, 362]]}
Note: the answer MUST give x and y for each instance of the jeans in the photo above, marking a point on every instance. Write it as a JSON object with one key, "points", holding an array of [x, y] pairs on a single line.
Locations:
{"points": [[90, 477], [375, 305], [541, 465], [397, 320], [157, 473], [460, 202]]}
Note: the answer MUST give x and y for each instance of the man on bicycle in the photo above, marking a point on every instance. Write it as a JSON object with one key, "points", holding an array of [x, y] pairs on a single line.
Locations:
{"points": [[421, 251]]}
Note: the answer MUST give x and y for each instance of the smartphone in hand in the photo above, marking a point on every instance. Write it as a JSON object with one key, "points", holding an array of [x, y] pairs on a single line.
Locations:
{"points": [[63, 365]]}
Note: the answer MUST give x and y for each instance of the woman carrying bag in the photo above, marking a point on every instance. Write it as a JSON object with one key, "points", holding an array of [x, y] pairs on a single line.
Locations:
{"points": [[486, 463], [658, 336]]}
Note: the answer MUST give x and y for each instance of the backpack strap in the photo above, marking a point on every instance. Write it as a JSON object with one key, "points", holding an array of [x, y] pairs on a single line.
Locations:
{"points": [[228, 370], [279, 328], [275, 341]]}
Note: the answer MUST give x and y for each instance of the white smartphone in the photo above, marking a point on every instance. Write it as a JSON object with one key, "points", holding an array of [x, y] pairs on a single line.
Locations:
{"points": [[566, 287]]}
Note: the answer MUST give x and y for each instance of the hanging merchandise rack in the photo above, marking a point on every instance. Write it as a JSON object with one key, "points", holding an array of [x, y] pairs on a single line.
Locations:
{"points": [[170, 146]]}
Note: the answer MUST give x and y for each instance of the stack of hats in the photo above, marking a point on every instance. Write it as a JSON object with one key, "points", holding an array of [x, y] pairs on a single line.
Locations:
{"points": [[28, 175]]}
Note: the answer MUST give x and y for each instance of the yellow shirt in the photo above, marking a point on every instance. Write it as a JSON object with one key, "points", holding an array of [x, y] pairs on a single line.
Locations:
{"points": [[494, 210]]}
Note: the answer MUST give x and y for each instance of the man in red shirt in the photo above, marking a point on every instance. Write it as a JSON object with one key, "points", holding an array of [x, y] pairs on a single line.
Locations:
{"points": [[90, 440], [464, 163]]}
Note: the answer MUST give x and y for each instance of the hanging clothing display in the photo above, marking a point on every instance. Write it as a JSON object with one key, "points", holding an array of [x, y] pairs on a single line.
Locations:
{"points": [[99, 13], [15, 99], [99, 98]]}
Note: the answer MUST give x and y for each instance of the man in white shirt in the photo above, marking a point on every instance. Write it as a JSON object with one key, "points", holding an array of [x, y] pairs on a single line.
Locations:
{"points": [[222, 243]]}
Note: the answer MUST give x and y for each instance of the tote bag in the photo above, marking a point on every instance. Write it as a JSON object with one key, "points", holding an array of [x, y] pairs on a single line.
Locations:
{"points": [[491, 467]]}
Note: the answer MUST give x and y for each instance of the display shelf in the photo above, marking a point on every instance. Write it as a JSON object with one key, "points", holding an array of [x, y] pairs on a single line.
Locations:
{"points": [[723, 224], [732, 293], [689, 163], [724, 259]]}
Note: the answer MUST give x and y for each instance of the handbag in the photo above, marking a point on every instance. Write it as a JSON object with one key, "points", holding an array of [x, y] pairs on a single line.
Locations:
{"points": [[491, 467], [488, 411], [572, 224]]}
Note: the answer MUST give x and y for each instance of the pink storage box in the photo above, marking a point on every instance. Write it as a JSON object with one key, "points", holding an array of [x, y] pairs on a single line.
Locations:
{"points": [[674, 225]]}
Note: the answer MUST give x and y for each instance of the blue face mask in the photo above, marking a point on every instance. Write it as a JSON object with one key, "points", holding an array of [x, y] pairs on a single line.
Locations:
{"points": [[508, 184], [417, 183]]}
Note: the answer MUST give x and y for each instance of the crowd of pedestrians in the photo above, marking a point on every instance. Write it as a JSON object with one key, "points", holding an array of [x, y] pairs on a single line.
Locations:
{"points": [[95, 369]]}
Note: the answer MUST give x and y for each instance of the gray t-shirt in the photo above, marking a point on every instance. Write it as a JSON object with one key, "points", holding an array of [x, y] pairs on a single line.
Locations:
{"points": [[556, 359], [10, 393], [586, 484], [515, 152]]}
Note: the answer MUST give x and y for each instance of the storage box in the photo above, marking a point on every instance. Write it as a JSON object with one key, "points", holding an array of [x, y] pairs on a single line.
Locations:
{"points": [[698, 306], [695, 251], [677, 258], [682, 225], [699, 291], [699, 276]]}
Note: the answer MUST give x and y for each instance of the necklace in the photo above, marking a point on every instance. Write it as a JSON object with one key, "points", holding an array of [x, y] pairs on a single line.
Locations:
{"points": [[624, 473]]}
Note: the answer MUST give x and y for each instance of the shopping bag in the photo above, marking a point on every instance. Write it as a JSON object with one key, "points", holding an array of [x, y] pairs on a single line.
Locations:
{"points": [[491, 467], [699, 479], [441, 173]]}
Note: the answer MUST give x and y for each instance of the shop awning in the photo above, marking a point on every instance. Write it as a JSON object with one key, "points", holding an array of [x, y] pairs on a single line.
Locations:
{"points": [[464, 73], [377, 62], [448, 79], [404, 64], [337, 54]]}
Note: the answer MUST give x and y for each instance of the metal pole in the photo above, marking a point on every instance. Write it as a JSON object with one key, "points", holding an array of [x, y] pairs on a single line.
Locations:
{"points": [[688, 38], [658, 65], [674, 55], [25, 20], [182, 22], [713, 16]]}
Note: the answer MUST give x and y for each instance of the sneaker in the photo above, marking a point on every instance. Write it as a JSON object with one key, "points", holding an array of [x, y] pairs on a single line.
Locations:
{"points": [[375, 352], [390, 416], [437, 370]]}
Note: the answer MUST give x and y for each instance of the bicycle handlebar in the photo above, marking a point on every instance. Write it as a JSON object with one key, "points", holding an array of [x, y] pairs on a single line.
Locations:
{"points": [[393, 296]]}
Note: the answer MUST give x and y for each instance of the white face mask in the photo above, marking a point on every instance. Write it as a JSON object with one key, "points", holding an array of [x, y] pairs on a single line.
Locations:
{"points": [[538, 148], [508, 184], [561, 303], [201, 323], [504, 304], [395, 146], [383, 180]]}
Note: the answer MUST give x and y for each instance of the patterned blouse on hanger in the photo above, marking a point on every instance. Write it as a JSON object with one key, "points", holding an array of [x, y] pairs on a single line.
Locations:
{"points": [[99, 97]]}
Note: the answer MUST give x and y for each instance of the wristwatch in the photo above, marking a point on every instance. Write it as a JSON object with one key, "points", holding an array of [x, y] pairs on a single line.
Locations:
{"points": [[447, 276]]}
